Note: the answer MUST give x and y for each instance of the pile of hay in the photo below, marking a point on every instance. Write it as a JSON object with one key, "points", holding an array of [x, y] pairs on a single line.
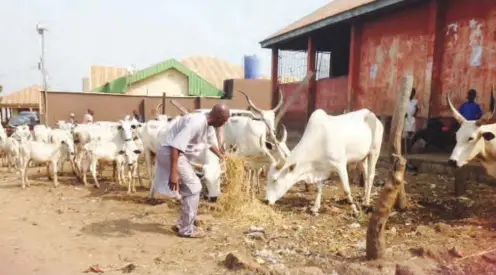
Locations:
{"points": [[238, 199]]}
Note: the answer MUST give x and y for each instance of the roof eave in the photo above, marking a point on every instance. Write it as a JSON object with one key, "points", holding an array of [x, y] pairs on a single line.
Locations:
{"points": [[361, 10]]}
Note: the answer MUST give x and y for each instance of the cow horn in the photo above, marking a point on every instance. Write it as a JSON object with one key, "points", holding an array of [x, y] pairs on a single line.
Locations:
{"points": [[280, 164], [158, 107], [455, 112], [293, 97], [284, 134], [281, 101], [265, 150], [487, 118], [196, 165], [252, 105], [179, 107]]}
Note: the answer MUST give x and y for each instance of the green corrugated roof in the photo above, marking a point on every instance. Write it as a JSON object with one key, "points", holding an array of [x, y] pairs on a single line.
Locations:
{"points": [[197, 86]]}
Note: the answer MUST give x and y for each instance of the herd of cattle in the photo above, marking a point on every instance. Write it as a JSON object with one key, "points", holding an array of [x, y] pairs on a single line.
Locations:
{"points": [[329, 144]]}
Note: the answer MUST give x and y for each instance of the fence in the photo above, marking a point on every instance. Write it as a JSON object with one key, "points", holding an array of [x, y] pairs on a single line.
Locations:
{"points": [[112, 107]]}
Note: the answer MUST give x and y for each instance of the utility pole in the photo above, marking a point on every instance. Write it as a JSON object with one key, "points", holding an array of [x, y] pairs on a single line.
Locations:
{"points": [[41, 31]]}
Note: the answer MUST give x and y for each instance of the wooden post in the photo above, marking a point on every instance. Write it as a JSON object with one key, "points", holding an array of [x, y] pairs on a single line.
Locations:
{"points": [[164, 98], [376, 243], [460, 181], [311, 68], [274, 77]]}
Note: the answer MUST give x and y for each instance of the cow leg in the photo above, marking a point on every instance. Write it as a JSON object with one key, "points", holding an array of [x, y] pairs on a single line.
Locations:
{"points": [[364, 171], [93, 164], [148, 161], [372, 162], [318, 198], [343, 176], [258, 180], [83, 170], [10, 160], [48, 171], [23, 167], [55, 177]]}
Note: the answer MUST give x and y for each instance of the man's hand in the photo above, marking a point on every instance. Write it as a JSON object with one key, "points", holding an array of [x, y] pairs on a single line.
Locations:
{"points": [[174, 182]]}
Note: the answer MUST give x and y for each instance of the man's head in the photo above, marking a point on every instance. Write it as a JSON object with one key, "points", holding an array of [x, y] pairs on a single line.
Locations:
{"points": [[71, 115], [471, 95], [218, 115]]}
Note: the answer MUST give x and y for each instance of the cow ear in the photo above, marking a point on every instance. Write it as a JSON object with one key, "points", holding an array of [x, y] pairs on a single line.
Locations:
{"points": [[269, 145], [121, 152], [292, 167], [488, 136]]}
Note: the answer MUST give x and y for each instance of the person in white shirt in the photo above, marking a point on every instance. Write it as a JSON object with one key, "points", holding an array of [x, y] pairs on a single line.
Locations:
{"points": [[88, 117], [410, 119], [185, 140]]}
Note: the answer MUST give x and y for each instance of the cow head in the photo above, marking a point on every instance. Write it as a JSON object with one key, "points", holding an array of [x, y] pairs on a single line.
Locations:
{"points": [[22, 133], [471, 137], [126, 129], [268, 116], [131, 153]]}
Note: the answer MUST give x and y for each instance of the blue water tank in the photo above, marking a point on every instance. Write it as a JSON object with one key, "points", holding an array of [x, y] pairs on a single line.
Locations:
{"points": [[252, 67]]}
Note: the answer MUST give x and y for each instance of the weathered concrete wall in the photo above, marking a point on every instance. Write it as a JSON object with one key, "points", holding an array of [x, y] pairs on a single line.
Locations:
{"points": [[390, 48], [469, 53]]}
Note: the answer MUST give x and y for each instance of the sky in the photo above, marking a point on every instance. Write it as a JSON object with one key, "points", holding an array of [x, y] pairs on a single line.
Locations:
{"points": [[124, 32]]}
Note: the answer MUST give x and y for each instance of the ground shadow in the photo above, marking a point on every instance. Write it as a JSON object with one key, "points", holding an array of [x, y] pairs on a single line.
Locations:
{"points": [[123, 228]]}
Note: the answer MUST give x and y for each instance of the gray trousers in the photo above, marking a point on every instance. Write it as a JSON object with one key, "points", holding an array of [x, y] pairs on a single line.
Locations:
{"points": [[190, 190]]}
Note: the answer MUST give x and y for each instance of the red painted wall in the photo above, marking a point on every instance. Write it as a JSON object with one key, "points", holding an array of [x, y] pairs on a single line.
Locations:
{"points": [[296, 115], [331, 95], [390, 48], [469, 30]]}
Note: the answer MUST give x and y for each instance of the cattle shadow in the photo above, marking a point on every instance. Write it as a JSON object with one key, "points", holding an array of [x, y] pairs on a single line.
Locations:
{"points": [[121, 228]]}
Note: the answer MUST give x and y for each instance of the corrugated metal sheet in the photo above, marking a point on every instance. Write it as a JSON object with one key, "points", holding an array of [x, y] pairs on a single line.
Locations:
{"points": [[99, 75], [26, 98], [213, 70], [332, 8]]}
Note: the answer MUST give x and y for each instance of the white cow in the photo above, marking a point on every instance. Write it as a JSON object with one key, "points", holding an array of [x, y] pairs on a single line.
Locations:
{"points": [[247, 137], [474, 140], [41, 152], [103, 149], [41, 133], [328, 144], [150, 134], [10, 148], [56, 136]]}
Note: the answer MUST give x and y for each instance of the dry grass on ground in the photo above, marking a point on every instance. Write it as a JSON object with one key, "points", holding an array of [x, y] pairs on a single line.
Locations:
{"points": [[65, 230]]}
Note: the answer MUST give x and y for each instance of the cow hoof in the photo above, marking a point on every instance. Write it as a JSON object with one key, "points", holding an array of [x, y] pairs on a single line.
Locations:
{"points": [[368, 209], [314, 211], [212, 199]]}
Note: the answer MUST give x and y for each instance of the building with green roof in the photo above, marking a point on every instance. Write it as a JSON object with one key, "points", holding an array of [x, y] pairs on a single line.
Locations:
{"points": [[170, 76]]}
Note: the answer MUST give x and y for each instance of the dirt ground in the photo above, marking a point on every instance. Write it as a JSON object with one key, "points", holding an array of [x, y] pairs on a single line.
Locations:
{"points": [[66, 230]]}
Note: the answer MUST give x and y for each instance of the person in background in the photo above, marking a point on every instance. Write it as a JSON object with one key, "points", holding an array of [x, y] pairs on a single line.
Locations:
{"points": [[470, 110], [88, 117], [175, 176], [410, 119]]}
